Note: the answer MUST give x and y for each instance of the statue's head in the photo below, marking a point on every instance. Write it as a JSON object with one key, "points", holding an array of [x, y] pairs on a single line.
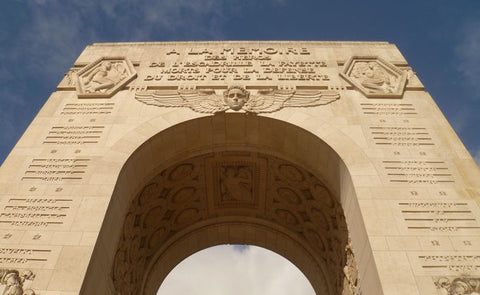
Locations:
{"points": [[236, 97]]}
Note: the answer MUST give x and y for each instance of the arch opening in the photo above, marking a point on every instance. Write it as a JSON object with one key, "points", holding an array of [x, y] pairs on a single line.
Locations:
{"points": [[232, 197], [236, 269]]}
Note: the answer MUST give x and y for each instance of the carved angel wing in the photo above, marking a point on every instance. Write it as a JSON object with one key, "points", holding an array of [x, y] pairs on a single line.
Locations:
{"points": [[272, 100], [312, 98], [268, 100], [202, 101]]}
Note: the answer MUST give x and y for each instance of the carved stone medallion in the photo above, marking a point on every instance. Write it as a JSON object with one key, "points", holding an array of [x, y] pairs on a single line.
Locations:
{"points": [[104, 77], [375, 77], [237, 98]]}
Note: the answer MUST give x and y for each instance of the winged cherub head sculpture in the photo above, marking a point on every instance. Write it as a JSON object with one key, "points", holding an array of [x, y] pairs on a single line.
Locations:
{"points": [[236, 97]]}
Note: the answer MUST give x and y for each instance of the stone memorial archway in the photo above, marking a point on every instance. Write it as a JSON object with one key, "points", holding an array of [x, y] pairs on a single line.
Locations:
{"points": [[148, 152]]}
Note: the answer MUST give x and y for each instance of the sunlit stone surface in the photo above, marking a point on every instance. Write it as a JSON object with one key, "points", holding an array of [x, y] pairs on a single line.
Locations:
{"points": [[330, 154]]}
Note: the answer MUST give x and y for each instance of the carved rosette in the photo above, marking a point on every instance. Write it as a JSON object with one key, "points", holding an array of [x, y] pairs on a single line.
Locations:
{"points": [[104, 77], [375, 77], [240, 184]]}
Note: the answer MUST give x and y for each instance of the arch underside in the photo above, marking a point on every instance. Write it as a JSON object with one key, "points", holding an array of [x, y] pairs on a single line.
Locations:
{"points": [[232, 197]]}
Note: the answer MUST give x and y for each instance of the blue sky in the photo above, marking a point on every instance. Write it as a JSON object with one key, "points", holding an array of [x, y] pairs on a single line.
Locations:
{"points": [[40, 39]]}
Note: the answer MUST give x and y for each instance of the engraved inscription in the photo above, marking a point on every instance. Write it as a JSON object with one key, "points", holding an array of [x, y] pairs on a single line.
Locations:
{"points": [[434, 216], [417, 172], [400, 136], [56, 169], [35, 212], [31, 256], [87, 109], [74, 135], [237, 64], [390, 109], [461, 264]]}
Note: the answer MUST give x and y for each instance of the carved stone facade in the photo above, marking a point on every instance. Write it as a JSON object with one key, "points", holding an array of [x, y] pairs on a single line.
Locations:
{"points": [[186, 145]]}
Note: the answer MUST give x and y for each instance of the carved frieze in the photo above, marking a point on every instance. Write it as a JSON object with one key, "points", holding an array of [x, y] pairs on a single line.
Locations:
{"points": [[374, 77], [457, 285], [237, 98], [15, 282], [104, 77]]}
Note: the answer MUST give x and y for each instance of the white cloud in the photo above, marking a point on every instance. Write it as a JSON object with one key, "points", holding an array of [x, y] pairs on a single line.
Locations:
{"points": [[236, 270]]}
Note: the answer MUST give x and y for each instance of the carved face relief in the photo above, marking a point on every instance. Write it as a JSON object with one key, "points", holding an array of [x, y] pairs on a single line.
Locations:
{"points": [[236, 97], [374, 77], [104, 77]]}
